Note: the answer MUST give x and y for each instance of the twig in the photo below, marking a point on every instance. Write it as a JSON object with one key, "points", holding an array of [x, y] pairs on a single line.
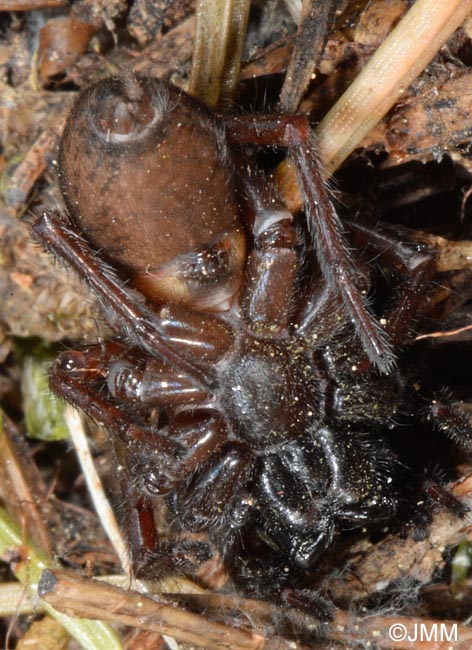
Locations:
{"points": [[30, 5], [15, 599], [90, 598], [260, 612]]}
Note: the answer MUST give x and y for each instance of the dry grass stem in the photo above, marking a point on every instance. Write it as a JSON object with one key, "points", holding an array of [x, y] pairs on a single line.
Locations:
{"points": [[316, 20], [219, 39], [16, 493], [399, 60], [102, 505]]}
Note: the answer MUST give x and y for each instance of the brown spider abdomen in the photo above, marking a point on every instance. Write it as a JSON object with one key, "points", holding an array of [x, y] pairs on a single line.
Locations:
{"points": [[140, 163]]}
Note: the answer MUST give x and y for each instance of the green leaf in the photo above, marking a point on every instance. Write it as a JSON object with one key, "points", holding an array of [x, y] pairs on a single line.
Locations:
{"points": [[44, 412]]}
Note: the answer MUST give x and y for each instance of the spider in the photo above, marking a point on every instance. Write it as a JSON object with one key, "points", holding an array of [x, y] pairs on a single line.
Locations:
{"points": [[249, 383]]}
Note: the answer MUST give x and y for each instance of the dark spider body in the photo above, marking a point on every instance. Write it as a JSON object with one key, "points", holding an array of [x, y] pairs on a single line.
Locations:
{"points": [[245, 387]]}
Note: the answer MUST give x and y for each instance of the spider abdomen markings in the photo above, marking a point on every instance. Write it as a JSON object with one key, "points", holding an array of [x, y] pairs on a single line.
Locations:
{"points": [[271, 392]]}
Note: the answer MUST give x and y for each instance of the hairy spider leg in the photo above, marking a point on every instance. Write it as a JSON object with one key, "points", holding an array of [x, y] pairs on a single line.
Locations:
{"points": [[450, 418], [294, 133], [120, 308], [432, 496], [417, 262], [186, 444], [416, 265], [153, 463]]}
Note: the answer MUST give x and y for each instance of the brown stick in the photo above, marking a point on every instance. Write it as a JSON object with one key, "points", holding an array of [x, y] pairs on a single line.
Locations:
{"points": [[77, 596], [29, 5]]}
